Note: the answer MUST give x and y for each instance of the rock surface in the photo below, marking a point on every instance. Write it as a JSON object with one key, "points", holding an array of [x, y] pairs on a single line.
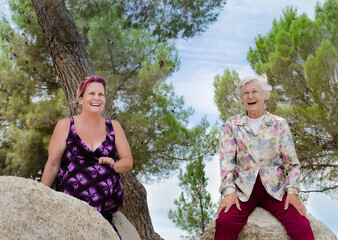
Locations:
{"points": [[126, 229], [30, 210], [262, 225]]}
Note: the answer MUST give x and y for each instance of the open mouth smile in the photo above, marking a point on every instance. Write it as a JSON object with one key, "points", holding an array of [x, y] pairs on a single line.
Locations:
{"points": [[252, 103], [95, 104]]}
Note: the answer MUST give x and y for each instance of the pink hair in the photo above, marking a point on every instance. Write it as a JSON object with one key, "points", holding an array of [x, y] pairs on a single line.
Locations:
{"points": [[83, 85]]}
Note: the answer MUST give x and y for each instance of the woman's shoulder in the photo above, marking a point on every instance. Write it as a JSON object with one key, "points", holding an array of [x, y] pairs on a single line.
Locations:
{"points": [[233, 121], [275, 117], [115, 123], [118, 129], [63, 124], [238, 118], [65, 120], [277, 121], [61, 129]]}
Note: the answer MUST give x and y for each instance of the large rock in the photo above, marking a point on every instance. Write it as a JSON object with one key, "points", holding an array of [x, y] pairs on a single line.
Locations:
{"points": [[30, 210], [262, 225]]}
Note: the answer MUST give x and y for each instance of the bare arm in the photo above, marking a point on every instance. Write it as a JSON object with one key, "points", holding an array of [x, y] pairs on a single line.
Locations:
{"points": [[125, 160], [56, 148]]}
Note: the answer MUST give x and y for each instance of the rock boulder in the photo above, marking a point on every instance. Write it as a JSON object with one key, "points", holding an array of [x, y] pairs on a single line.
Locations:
{"points": [[30, 210], [262, 225]]}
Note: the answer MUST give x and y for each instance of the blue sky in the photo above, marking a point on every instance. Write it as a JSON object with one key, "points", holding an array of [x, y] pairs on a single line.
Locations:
{"points": [[224, 45]]}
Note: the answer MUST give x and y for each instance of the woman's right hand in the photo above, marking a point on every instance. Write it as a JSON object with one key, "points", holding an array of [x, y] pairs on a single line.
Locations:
{"points": [[227, 201]]}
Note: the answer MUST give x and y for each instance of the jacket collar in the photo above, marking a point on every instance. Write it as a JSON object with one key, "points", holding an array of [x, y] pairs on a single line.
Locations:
{"points": [[268, 119]]}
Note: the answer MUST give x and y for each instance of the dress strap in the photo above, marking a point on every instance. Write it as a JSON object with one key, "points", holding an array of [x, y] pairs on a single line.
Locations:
{"points": [[71, 120], [71, 133], [111, 135], [109, 126]]}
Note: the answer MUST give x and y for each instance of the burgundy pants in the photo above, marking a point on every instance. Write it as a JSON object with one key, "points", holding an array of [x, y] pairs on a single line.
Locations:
{"points": [[228, 225]]}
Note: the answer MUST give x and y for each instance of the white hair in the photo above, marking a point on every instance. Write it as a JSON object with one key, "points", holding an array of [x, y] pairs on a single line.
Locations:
{"points": [[260, 79]]}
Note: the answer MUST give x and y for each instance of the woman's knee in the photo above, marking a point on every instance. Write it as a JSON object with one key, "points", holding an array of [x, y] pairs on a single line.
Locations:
{"points": [[223, 220], [228, 221]]}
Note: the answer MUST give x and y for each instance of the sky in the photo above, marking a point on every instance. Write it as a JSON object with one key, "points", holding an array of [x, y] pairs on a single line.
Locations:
{"points": [[224, 45]]}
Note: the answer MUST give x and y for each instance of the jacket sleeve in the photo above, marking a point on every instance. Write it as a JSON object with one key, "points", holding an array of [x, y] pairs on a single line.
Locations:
{"points": [[290, 160], [227, 156]]}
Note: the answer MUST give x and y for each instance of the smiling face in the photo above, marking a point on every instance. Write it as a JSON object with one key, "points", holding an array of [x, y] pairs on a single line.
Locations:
{"points": [[253, 99], [93, 98]]}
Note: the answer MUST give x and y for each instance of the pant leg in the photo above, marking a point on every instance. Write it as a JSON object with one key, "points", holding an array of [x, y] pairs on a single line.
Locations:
{"points": [[297, 226], [228, 225]]}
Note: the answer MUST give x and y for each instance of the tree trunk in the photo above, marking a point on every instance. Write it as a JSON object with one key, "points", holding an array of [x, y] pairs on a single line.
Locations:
{"points": [[72, 64], [135, 206], [63, 40]]}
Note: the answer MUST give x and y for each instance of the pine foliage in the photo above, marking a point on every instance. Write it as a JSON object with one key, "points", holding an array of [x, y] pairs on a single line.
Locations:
{"points": [[195, 209]]}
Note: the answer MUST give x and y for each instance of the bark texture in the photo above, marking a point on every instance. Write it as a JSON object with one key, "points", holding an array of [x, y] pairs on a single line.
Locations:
{"points": [[135, 207], [70, 58], [72, 64]]}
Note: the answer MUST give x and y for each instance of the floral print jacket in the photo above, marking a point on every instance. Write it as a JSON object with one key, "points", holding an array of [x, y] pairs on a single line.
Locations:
{"points": [[271, 153]]}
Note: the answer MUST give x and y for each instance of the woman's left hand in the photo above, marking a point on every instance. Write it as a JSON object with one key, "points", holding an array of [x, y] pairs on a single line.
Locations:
{"points": [[107, 160], [295, 201]]}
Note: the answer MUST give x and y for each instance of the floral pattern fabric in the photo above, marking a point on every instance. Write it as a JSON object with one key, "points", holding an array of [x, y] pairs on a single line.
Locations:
{"points": [[81, 175], [271, 153]]}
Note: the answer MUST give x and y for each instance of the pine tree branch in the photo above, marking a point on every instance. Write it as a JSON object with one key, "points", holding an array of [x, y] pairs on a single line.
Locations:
{"points": [[320, 190]]}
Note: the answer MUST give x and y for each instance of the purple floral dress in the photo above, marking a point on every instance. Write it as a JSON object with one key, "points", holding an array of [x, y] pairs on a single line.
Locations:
{"points": [[81, 175]]}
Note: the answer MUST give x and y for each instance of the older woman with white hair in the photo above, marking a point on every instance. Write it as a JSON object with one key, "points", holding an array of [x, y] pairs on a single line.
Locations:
{"points": [[259, 167]]}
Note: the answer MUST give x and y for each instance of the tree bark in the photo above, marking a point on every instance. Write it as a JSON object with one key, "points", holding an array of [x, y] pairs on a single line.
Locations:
{"points": [[135, 207], [63, 40], [72, 64]]}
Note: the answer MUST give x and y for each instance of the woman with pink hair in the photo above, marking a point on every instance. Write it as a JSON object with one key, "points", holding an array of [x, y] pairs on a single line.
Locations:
{"points": [[88, 152]]}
